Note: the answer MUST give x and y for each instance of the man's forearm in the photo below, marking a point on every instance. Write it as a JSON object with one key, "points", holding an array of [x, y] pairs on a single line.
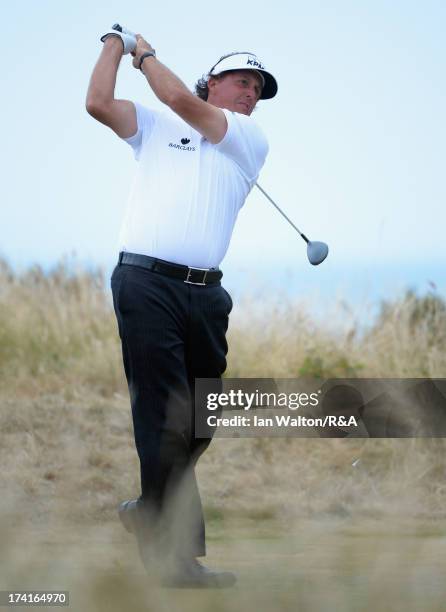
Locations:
{"points": [[207, 119], [101, 90], [164, 83]]}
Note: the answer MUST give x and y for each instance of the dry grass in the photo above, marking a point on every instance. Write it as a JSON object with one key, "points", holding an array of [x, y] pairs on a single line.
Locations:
{"points": [[68, 458], [58, 331]]}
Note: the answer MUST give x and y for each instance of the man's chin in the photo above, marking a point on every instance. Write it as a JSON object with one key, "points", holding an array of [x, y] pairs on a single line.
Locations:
{"points": [[238, 108], [243, 109]]}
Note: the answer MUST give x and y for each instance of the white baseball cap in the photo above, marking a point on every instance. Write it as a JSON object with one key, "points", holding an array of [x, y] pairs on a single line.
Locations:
{"points": [[248, 61]]}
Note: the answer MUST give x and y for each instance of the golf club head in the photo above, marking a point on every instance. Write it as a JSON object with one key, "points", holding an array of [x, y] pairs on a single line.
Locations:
{"points": [[316, 252]]}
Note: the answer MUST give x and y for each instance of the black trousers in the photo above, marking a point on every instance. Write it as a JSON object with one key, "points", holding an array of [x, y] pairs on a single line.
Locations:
{"points": [[171, 333]]}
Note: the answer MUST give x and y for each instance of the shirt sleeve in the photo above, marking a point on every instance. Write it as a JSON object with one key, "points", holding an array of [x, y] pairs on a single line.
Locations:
{"points": [[245, 143], [145, 119]]}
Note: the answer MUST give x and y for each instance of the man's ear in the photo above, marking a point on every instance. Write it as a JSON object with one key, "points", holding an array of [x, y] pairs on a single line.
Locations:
{"points": [[212, 82]]}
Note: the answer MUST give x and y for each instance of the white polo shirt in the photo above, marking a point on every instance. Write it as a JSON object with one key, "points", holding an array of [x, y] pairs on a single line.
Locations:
{"points": [[187, 192]]}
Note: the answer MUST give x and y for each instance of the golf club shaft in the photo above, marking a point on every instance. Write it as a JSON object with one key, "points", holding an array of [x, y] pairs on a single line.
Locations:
{"points": [[282, 213]]}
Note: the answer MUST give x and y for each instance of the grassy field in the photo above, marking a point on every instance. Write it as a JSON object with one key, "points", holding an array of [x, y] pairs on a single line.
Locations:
{"points": [[303, 528]]}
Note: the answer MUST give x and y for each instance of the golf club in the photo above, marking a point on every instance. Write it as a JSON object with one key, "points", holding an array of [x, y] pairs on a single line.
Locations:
{"points": [[316, 251]]}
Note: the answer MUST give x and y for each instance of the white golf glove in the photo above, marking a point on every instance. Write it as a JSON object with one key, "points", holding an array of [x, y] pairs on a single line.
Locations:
{"points": [[127, 37]]}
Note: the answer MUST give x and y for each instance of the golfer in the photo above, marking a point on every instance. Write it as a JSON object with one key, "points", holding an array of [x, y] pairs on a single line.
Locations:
{"points": [[196, 163]]}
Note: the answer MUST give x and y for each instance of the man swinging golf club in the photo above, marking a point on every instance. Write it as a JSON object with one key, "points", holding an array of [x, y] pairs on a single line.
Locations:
{"points": [[197, 162]]}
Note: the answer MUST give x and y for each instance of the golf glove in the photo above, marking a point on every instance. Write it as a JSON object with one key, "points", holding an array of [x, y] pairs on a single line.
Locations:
{"points": [[128, 39]]}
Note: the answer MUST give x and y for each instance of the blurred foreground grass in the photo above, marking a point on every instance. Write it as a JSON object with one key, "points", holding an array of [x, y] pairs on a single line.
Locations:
{"points": [[304, 529]]}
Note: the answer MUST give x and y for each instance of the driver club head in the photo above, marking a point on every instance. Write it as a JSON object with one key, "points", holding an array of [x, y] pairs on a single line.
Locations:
{"points": [[316, 252]]}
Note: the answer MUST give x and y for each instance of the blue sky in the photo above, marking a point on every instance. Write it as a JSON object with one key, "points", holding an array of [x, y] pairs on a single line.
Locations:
{"points": [[357, 134]]}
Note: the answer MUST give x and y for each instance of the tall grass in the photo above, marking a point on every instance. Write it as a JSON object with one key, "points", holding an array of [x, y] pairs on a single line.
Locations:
{"points": [[68, 457], [62, 386], [58, 331]]}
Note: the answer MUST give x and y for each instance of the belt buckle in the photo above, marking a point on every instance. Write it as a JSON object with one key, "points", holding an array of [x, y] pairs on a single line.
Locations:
{"points": [[189, 272]]}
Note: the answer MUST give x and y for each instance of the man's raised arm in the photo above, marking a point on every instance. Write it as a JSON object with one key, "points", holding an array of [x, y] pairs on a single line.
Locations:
{"points": [[207, 119], [119, 115]]}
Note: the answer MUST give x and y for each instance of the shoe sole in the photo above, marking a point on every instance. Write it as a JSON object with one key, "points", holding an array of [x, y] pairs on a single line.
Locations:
{"points": [[214, 582], [126, 518]]}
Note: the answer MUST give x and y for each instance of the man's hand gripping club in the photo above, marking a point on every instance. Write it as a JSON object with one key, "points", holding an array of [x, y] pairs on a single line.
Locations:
{"points": [[127, 37], [132, 43]]}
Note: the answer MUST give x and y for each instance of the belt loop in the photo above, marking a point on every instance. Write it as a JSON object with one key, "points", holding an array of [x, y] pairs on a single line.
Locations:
{"points": [[121, 254]]}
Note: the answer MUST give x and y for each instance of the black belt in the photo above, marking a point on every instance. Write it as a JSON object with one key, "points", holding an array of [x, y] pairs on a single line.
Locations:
{"points": [[193, 276]]}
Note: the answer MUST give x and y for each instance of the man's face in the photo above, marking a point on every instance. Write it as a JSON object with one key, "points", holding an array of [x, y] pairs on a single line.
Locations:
{"points": [[238, 91]]}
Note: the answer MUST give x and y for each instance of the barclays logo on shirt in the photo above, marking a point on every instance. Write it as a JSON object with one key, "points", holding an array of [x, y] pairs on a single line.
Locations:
{"points": [[182, 146]]}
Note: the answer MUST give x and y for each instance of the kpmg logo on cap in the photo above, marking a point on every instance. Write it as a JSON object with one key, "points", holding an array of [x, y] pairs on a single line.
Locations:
{"points": [[253, 62]]}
